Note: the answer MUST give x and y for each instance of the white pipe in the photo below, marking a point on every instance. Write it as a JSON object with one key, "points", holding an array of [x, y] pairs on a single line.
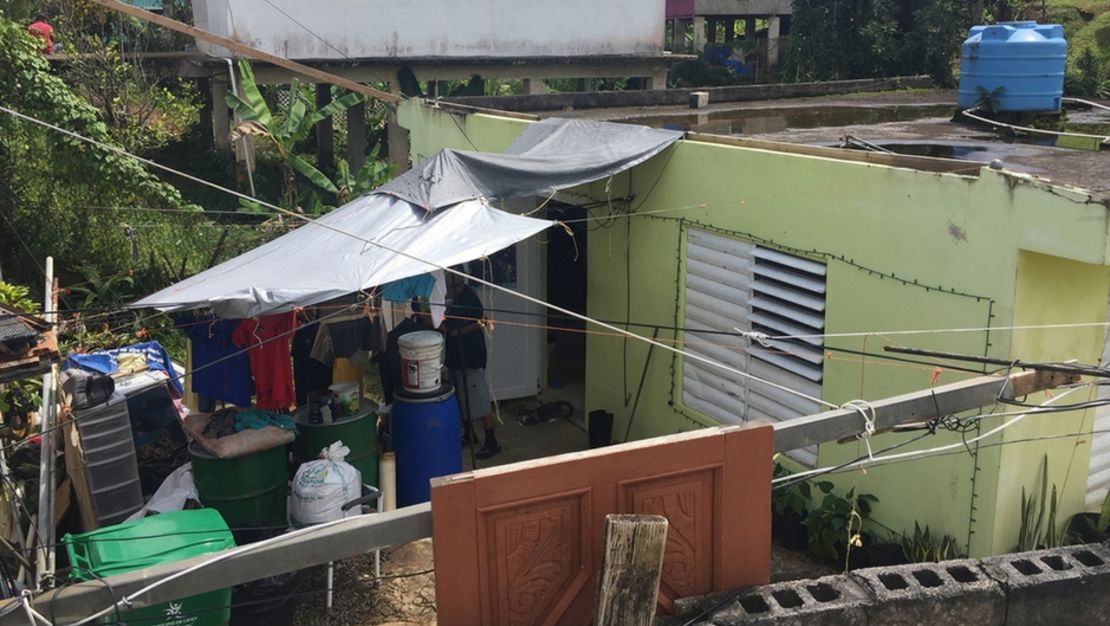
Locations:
{"points": [[246, 148], [387, 476], [46, 447], [1055, 133]]}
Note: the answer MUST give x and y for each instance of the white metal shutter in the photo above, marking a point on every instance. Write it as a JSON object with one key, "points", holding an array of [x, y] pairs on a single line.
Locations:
{"points": [[1098, 478], [731, 284]]}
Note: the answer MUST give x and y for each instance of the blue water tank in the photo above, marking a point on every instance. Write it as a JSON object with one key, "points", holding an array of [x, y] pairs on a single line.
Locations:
{"points": [[1025, 59]]}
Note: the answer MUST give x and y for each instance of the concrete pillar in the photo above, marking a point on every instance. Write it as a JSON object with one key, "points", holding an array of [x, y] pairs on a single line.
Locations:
{"points": [[749, 27], [534, 87], [711, 30], [433, 90], [773, 41], [699, 34], [658, 80], [396, 137], [325, 136], [730, 29], [678, 35], [356, 136], [221, 115]]}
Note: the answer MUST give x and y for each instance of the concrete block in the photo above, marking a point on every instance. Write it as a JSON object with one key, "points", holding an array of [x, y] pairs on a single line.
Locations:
{"points": [[1060, 586], [832, 600], [699, 99], [933, 594]]}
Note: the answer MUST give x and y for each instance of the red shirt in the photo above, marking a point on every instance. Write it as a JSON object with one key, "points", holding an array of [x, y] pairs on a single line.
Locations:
{"points": [[45, 32], [271, 366]]}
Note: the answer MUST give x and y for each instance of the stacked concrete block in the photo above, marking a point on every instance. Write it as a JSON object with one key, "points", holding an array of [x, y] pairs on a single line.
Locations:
{"points": [[832, 600], [1060, 586], [932, 594]]}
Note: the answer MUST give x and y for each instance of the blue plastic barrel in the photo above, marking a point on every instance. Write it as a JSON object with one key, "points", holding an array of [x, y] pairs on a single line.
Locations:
{"points": [[1024, 61], [427, 433]]}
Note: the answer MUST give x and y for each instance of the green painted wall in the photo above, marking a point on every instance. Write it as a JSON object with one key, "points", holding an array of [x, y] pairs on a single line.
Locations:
{"points": [[880, 229]]}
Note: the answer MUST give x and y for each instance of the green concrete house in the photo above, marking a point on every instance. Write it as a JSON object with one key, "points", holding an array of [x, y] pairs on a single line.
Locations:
{"points": [[827, 244]]}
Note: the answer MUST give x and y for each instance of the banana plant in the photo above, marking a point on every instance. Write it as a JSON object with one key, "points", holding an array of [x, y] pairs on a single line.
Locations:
{"points": [[284, 129]]}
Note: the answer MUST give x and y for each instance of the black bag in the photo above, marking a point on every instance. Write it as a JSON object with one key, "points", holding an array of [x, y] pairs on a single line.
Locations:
{"points": [[88, 389]]}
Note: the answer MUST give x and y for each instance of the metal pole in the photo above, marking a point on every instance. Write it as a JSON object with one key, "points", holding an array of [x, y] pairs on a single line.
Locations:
{"points": [[43, 570]]}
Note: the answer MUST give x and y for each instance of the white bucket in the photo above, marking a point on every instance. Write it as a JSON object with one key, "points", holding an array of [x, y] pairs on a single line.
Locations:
{"points": [[421, 360]]}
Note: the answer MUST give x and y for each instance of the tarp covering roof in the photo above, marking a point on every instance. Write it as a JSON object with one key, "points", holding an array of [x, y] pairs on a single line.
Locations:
{"points": [[316, 263], [549, 155], [436, 212]]}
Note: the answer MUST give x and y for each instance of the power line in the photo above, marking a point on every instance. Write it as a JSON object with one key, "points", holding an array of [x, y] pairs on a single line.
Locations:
{"points": [[410, 256], [928, 452]]}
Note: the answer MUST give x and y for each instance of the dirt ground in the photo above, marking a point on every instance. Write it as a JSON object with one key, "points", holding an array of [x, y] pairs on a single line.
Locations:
{"points": [[405, 594], [409, 600]]}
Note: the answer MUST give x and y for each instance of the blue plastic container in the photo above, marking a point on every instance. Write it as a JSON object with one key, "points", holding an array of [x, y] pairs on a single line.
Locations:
{"points": [[427, 432], [1025, 59]]}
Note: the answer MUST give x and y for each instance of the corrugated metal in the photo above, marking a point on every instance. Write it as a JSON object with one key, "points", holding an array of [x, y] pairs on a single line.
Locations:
{"points": [[734, 284], [1098, 478]]}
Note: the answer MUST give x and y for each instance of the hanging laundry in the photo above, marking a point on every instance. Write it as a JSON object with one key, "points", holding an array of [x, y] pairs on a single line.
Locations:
{"points": [[268, 338], [308, 373], [406, 289], [221, 370], [343, 336], [108, 361]]}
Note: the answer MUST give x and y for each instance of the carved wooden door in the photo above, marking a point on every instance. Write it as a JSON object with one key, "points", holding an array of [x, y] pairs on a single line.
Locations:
{"points": [[521, 544]]}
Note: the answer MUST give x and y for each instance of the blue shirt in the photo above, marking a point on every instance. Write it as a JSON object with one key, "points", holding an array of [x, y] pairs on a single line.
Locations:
{"points": [[221, 370]]}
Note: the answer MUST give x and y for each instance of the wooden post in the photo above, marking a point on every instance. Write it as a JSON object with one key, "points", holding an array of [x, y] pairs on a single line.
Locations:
{"points": [[631, 568]]}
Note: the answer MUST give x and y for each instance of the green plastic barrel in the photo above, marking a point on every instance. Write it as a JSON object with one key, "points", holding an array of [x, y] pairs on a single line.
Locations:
{"points": [[359, 432], [249, 490], [151, 541]]}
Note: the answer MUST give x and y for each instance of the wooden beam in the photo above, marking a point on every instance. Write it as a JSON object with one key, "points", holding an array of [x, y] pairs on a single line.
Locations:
{"points": [[631, 568], [308, 72]]}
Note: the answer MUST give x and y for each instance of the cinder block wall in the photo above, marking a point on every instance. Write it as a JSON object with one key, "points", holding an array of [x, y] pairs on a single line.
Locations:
{"points": [[1068, 585]]}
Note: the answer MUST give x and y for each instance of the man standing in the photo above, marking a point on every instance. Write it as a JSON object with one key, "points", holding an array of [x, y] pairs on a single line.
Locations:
{"points": [[466, 360]]}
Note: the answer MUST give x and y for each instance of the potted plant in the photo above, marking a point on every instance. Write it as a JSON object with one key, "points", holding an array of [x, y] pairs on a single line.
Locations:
{"points": [[789, 507], [1091, 527], [835, 527], [925, 547]]}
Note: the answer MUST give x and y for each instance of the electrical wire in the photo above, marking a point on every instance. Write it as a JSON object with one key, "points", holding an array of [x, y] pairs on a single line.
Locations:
{"points": [[930, 451], [175, 376], [511, 292]]}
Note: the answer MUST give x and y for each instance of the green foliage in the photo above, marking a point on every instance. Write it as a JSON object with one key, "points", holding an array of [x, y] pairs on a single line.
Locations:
{"points": [[1039, 528], [103, 290], [988, 101], [924, 547], [1088, 76], [61, 196], [834, 526], [286, 129], [797, 497], [866, 38], [17, 297]]}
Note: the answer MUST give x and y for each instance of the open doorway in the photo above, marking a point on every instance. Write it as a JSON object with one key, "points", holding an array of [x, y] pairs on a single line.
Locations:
{"points": [[566, 288]]}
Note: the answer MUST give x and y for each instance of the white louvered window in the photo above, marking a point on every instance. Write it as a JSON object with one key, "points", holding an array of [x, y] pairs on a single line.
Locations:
{"points": [[731, 284], [1098, 476]]}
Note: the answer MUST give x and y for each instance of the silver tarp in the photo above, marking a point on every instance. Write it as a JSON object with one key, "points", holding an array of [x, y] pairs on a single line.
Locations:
{"points": [[436, 213]]}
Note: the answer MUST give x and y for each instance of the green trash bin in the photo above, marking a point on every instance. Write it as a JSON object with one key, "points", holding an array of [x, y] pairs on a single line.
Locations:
{"points": [[151, 541]]}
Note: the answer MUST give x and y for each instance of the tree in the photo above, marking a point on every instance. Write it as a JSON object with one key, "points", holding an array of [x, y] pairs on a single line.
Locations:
{"points": [[286, 129], [865, 38]]}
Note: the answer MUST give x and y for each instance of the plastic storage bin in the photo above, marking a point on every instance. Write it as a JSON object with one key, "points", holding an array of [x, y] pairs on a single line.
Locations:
{"points": [[111, 470], [153, 541]]}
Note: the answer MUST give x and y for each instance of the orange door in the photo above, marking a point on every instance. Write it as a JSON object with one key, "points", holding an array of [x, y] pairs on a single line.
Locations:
{"points": [[521, 544]]}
